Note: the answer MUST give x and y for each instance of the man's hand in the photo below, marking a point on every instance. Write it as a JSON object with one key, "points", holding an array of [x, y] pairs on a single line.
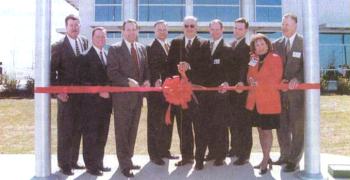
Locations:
{"points": [[104, 95], [238, 85], [133, 83], [293, 83], [224, 84], [158, 83], [63, 97], [146, 84]]}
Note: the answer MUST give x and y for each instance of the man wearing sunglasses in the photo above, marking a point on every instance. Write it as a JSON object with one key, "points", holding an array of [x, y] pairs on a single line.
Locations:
{"points": [[191, 54]]}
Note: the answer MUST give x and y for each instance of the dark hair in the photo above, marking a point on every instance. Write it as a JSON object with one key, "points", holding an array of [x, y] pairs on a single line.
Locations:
{"points": [[129, 21], [71, 17], [160, 22], [216, 21], [242, 20], [257, 37], [98, 29], [292, 16]]}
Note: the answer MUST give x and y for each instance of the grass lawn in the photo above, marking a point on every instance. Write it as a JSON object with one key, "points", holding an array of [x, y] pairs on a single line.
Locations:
{"points": [[17, 128]]}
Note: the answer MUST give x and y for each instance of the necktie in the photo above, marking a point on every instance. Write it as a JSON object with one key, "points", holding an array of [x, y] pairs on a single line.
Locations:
{"points": [[212, 48], [166, 47], [288, 46], [234, 44], [77, 51], [134, 58], [188, 46], [102, 59]]}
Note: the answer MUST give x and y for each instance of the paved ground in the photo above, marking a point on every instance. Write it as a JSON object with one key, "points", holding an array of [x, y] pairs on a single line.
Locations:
{"points": [[21, 166]]}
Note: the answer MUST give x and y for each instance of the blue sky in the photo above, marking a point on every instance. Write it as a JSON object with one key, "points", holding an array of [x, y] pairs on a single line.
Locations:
{"points": [[18, 32]]}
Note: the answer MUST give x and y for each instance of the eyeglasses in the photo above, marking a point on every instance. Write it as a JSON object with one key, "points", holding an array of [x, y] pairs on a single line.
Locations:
{"points": [[189, 26]]}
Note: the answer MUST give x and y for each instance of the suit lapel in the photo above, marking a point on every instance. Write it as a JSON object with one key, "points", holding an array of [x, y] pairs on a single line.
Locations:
{"points": [[69, 48], [159, 46], [218, 48]]}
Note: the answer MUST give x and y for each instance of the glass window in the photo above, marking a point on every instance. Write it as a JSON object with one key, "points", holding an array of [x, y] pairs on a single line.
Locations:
{"points": [[272, 35], [153, 10], [334, 49], [108, 10], [114, 34], [207, 10], [268, 11]]}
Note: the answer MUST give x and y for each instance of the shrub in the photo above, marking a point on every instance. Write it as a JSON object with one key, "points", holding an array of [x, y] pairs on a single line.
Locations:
{"points": [[343, 86]]}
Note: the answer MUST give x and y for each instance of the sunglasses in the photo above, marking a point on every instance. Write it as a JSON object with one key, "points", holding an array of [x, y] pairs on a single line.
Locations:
{"points": [[189, 26]]}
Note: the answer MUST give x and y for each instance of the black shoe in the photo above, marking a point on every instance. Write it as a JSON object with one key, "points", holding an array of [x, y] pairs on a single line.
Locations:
{"points": [[105, 169], [231, 153], [241, 161], [290, 167], [94, 172], [169, 156], [66, 171], [279, 162], [209, 157], [77, 166], [199, 165], [268, 167], [158, 161], [184, 162], [135, 166], [218, 162], [126, 172]]}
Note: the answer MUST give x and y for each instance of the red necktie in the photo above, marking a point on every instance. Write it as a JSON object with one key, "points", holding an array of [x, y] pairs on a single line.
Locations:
{"points": [[134, 59]]}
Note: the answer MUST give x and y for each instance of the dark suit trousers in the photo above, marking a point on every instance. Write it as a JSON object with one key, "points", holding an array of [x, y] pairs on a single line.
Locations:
{"points": [[291, 132], [127, 110], [241, 127], [96, 113], [68, 131], [217, 115], [156, 107]]}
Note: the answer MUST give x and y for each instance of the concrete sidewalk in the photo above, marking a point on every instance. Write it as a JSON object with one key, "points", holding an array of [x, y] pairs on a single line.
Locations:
{"points": [[22, 166]]}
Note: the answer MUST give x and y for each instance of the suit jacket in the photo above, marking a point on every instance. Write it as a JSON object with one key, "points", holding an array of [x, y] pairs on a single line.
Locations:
{"points": [[220, 65], [241, 58], [293, 61], [198, 57], [64, 63], [157, 60], [265, 96], [120, 67]]}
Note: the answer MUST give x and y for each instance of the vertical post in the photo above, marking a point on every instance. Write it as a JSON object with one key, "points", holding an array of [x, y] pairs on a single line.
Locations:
{"points": [[129, 10], [42, 101], [189, 8], [248, 11], [312, 100]]}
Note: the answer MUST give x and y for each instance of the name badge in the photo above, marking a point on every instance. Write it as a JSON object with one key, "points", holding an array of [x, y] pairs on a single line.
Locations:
{"points": [[252, 62], [297, 54], [216, 61]]}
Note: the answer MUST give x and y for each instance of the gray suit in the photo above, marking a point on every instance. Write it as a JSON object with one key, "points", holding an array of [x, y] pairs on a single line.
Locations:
{"points": [[126, 106], [291, 131]]}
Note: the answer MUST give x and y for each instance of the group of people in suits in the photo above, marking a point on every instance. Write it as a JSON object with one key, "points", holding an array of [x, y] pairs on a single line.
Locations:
{"points": [[212, 119]]}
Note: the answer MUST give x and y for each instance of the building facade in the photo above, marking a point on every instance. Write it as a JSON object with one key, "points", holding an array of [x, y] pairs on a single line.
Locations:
{"points": [[264, 17]]}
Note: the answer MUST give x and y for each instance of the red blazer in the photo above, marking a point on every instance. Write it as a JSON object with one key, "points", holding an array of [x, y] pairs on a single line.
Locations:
{"points": [[265, 97]]}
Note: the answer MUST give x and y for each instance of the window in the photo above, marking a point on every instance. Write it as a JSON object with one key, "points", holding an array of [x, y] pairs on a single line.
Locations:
{"points": [[207, 10], [114, 34], [268, 10], [108, 10], [153, 10], [334, 49], [273, 36]]}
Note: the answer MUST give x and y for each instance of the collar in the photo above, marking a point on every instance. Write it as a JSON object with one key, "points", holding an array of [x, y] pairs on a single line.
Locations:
{"points": [[291, 39], [186, 40], [162, 42], [128, 44], [216, 42], [98, 50]]}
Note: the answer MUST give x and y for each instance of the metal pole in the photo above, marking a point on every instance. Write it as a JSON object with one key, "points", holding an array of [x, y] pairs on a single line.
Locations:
{"points": [[312, 100], [42, 101]]}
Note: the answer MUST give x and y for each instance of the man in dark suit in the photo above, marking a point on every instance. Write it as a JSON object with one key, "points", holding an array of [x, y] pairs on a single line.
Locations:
{"points": [[217, 103], [127, 66], [241, 127], [191, 54], [158, 133], [64, 72], [97, 108], [291, 132]]}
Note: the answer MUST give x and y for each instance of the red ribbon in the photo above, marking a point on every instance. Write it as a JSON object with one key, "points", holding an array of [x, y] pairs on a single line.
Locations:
{"points": [[176, 90]]}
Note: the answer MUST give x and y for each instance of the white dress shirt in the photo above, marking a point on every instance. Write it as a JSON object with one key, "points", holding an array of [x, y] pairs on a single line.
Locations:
{"points": [[72, 43]]}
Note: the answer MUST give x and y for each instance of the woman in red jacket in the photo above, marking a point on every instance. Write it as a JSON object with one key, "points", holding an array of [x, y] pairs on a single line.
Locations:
{"points": [[263, 101]]}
